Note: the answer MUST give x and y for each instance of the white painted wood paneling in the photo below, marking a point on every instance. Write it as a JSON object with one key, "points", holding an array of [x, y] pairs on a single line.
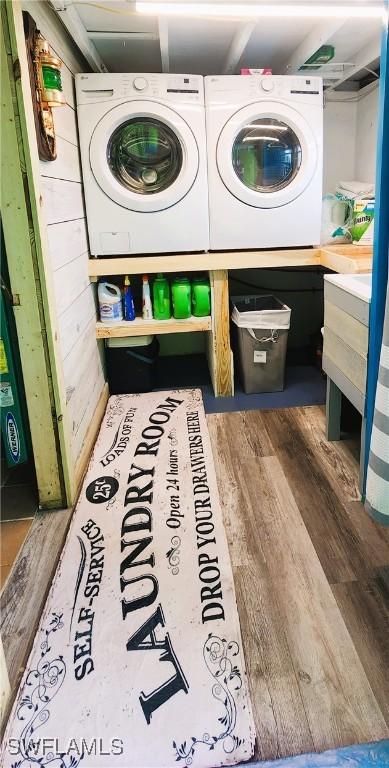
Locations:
{"points": [[63, 207], [69, 282], [354, 333], [94, 391], [349, 362], [65, 124], [67, 166], [75, 319], [63, 200], [83, 372], [67, 241], [79, 367]]}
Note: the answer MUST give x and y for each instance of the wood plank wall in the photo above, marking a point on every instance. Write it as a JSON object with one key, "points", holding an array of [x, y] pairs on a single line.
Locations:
{"points": [[64, 210]]}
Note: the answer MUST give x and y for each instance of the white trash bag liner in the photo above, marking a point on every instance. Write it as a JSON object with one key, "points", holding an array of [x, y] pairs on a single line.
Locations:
{"points": [[261, 337], [267, 319]]}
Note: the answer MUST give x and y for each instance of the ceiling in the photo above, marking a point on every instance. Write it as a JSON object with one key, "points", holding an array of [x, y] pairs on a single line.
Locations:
{"points": [[122, 40]]}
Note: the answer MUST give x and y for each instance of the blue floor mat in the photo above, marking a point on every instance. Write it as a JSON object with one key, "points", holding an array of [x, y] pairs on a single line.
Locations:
{"points": [[304, 385], [374, 755]]}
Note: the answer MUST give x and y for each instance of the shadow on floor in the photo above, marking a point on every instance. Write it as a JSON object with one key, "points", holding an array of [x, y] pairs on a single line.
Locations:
{"points": [[19, 502], [304, 385], [19, 494]]}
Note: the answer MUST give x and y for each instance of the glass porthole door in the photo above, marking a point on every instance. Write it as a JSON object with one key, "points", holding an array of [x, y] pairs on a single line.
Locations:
{"points": [[266, 160], [144, 155], [144, 159], [266, 155]]}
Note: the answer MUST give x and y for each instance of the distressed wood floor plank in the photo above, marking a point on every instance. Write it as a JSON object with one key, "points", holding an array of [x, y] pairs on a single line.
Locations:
{"points": [[340, 705], [299, 647], [338, 458], [229, 491], [320, 500], [245, 430], [373, 538], [365, 609], [281, 722], [25, 592]]}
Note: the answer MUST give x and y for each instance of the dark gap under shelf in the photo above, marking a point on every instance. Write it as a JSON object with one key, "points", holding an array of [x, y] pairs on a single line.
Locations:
{"points": [[304, 385]]}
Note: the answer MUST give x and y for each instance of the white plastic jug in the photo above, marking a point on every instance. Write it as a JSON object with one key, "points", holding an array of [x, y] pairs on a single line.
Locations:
{"points": [[110, 303]]}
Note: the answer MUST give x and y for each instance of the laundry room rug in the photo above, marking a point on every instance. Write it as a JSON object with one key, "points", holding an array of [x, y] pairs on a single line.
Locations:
{"points": [[138, 659]]}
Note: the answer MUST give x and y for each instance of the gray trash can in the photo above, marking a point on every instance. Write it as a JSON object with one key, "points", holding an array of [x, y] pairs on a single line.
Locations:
{"points": [[262, 324]]}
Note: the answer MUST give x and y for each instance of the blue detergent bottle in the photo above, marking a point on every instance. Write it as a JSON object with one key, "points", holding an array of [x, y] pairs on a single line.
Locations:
{"points": [[129, 307]]}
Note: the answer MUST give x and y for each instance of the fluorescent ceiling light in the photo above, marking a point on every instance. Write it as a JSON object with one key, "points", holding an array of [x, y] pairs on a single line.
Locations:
{"points": [[260, 138], [239, 10], [266, 125]]}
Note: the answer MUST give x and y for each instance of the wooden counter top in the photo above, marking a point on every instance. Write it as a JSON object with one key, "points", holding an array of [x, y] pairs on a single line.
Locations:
{"points": [[347, 259], [340, 258]]}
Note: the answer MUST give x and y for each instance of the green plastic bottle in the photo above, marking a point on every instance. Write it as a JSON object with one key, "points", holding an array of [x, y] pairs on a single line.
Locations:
{"points": [[201, 297], [181, 296], [161, 298]]}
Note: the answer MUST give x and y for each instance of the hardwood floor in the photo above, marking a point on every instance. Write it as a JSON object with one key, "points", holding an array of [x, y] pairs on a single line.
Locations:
{"points": [[312, 578], [311, 574], [12, 536], [24, 593]]}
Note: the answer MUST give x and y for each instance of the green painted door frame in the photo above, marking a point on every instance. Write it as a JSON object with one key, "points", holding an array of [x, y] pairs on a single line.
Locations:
{"points": [[45, 401]]}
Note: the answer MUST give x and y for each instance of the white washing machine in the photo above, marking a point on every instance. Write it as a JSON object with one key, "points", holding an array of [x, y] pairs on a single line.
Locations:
{"points": [[143, 152], [265, 147]]}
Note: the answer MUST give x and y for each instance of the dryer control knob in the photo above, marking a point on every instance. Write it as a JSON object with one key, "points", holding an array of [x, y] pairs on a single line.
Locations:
{"points": [[267, 84], [140, 83]]}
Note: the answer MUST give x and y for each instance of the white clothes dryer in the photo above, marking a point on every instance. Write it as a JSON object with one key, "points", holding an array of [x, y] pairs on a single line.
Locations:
{"points": [[143, 152], [265, 149]]}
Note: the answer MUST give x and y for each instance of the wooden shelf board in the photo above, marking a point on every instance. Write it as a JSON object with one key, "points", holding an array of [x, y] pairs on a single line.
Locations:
{"points": [[347, 259], [339, 258], [140, 327], [192, 262]]}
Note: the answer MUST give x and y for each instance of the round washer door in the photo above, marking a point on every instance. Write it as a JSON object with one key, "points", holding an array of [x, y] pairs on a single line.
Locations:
{"points": [[144, 156], [266, 154]]}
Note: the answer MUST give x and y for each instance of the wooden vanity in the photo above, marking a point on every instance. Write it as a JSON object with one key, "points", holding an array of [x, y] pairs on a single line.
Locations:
{"points": [[346, 340]]}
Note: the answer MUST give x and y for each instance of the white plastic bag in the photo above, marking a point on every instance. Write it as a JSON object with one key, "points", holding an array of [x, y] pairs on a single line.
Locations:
{"points": [[269, 320]]}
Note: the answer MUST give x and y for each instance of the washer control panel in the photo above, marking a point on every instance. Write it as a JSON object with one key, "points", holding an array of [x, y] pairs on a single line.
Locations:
{"points": [[103, 87], [229, 89], [286, 86]]}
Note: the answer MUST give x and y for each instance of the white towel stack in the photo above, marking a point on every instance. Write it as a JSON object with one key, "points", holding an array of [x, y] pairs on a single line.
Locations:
{"points": [[355, 189]]}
